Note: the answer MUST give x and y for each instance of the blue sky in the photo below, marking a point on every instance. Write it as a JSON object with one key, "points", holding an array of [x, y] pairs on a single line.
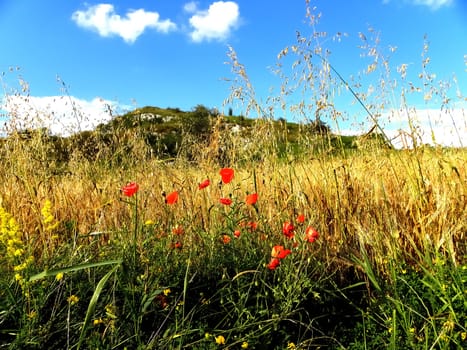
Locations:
{"points": [[130, 54]]}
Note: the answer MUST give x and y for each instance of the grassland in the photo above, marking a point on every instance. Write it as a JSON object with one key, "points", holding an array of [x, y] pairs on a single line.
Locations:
{"points": [[86, 266], [177, 232]]}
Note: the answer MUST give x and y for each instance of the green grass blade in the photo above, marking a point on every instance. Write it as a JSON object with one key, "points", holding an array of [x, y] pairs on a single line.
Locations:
{"points": [[74, 268], [93, 302]]}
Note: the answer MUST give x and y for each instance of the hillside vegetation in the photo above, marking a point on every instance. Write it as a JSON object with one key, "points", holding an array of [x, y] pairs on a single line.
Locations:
{"points": [[157, 133]]}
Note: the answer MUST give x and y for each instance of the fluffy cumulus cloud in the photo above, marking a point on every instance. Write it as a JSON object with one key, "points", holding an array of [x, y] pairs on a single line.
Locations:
{"points": [[106, 22], [215, 23], [62, 115]]}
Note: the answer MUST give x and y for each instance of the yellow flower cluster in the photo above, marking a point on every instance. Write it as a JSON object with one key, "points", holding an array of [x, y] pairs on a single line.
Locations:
{"points": [[20, 267], [11, 241], [72, 299], [109, 320], [48, 219], [10, 236]]}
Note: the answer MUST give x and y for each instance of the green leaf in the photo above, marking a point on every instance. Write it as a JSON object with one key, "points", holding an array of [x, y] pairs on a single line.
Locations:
{"points": [[93, 302], [74, 268]]}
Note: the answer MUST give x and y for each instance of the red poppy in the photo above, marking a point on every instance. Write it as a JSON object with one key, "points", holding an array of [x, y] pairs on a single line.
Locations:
{"points": [[288, 229], [311, 234], [130, 189], [227, 175], [204, 184], [280, 252], [225, 201], [300, 218], [273, 263], [237, 233], [251, 198], [226, 239], [177, 245], [178, 230], [252, 225], [171, 198]]}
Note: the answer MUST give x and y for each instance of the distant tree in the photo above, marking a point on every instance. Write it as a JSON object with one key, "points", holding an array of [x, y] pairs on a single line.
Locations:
{"points": [[198, 120], [319, 127], [230, 111], [176, 109]]}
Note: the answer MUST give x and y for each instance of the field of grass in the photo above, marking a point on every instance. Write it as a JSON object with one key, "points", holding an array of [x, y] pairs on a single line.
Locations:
{"points": [[361, 251], [271, 239]]}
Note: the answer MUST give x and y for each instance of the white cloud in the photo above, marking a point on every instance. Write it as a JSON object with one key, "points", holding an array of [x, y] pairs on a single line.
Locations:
{"points": [[429, 126], [215, 23], [103, 19], [190, 7], [433, 4], [62, 115]]}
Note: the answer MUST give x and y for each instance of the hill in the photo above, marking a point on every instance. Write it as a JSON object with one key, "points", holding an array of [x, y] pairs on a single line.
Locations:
{"points": [[167, 133]]}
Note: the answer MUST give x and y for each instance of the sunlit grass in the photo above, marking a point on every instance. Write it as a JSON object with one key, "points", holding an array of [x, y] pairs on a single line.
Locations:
{"points": [[383, 219]]}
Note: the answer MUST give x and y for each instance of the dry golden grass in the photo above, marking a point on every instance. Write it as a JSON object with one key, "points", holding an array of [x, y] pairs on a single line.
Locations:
{"points": [[384, 204]]}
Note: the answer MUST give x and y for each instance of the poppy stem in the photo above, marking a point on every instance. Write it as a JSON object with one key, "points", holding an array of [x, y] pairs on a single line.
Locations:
{"points": [[254, 179], [135, 231]]}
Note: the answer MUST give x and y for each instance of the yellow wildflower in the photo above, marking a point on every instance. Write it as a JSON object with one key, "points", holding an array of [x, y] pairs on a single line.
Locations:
{"points": [[291, 345], [46, 212], [59, 276], [47, 218], [98, 321], [72, 299], [220, 340], [167, 291], [111, 311], [18, 252], [20, 267], [244, 345], [179, 305], [10, 236], [449, 325]]}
